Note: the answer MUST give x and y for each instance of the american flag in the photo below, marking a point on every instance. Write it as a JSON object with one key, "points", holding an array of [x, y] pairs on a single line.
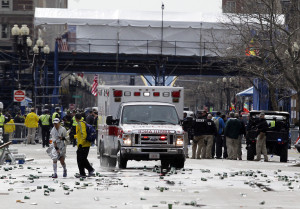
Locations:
{"points": [[63, 42], [62, 45], [95, 84]]}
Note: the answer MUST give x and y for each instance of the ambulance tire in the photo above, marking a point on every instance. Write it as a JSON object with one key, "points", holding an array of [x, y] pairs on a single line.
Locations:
{"points": [[112, 162], [103, 159], [122, 162]]}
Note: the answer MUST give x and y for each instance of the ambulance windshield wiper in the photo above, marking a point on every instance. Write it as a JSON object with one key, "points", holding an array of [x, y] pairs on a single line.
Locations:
{"points": [[137, 121], [162, 121]]}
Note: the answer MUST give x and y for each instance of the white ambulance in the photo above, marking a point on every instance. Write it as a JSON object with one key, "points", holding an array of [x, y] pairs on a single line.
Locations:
{"points": [[140, 123]]}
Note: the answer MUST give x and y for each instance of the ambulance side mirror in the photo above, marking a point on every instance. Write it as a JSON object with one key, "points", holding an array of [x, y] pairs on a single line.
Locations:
{"points": [[109, 120]]}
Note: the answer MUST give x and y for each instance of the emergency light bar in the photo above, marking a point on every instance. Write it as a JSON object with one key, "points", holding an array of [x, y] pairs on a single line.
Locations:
{"points": [[156, 94], [176, 94], [137, 94], [118, 93]]}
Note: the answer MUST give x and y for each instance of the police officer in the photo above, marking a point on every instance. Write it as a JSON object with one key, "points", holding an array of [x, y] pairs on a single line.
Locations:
{"points": [[56, 114], [199, 134], [67, 120], [45, 122], [211, 131], [262, 128]]}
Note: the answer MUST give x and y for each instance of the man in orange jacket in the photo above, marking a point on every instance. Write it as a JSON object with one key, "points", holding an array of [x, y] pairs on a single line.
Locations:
{"points": [[31, 122]]}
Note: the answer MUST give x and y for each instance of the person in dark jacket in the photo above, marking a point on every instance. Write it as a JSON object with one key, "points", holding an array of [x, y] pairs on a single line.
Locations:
{"points": [[90, 118], [262, 128], [199, 135], [232, 130], [211, 131], [218, 139]]}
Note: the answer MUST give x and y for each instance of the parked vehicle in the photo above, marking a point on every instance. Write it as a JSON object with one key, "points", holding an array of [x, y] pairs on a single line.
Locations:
{"points": [[140, 123], [277, 136]]}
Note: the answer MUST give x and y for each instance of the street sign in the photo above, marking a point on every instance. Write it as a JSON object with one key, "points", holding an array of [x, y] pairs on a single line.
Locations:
{"points": [[72, 106], [76, 96], [19, 95]]}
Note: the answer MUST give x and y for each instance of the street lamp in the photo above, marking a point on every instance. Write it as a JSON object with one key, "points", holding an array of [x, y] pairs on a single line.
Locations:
{"points": [[22, 44], [162, 27], [227, 83], [219, 81]]}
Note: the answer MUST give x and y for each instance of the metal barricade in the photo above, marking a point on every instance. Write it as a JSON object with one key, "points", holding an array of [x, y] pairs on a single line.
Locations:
{"points": [[294, 135], [19, 135]]}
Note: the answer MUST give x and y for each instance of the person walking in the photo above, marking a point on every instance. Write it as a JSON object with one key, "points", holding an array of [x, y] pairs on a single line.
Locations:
{"points": [[31, 122], [211, 131], [262, 127], [232, 130], [217, 146], [9, 127], [45, 122], [199, 132], [58, 149], [83, 148]]}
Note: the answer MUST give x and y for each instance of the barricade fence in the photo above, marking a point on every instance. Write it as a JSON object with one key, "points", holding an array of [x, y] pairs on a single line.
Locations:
{"points": [[19, 135]]}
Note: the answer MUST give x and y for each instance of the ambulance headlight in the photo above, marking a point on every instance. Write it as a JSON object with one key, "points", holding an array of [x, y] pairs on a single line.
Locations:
{"points": [[179, 141], [127, 140]]}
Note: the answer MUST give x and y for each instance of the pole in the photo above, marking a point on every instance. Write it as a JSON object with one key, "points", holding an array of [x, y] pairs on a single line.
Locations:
{"points": [[162, 27]]}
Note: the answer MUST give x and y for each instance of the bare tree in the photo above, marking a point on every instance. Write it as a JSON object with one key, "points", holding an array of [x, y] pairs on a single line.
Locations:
{"points": [[263, 41]]}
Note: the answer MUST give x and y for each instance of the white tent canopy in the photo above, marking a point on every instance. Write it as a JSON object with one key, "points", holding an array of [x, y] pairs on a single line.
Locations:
{"points": [[247, 93], [125, 18], [134, 32]]}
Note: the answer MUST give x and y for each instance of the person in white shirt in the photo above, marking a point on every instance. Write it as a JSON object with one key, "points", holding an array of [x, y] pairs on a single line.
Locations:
{"points": [[58, 149]]}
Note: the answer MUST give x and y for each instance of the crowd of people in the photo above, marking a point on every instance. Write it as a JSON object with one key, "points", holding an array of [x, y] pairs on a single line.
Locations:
{"points": [[221, 136], [55, 130]]}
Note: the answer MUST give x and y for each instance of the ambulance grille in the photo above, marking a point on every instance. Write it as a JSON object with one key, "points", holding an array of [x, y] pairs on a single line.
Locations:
{"points": [[136, 139]]}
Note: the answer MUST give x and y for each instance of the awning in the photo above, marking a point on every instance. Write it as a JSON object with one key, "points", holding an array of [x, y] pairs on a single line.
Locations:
{"points": [[246, 93]]}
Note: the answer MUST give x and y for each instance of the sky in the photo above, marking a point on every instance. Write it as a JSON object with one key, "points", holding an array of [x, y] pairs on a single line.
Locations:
{"points": [[203, 6]]}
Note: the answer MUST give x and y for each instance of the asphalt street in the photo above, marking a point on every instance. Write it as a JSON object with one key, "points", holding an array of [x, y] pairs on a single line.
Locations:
{"points": [[202, 184]]}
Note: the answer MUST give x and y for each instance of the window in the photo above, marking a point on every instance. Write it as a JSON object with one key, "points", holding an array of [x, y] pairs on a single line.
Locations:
{"points": [[5, 4], [4, 31], [230, 7]]}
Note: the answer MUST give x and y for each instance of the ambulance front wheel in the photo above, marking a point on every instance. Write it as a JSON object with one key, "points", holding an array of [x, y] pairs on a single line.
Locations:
{"points": [[122, 162]]}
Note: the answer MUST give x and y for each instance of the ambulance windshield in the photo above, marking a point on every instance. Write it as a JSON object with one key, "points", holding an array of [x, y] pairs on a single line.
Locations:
{"points": [[149, 114]]}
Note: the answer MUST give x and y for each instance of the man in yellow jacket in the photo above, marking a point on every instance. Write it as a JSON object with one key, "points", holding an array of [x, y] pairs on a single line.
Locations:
{"points": [[83, 148], [9, 127], [31, 122]]}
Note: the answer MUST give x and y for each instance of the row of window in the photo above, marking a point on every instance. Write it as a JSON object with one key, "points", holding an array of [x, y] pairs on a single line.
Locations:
{"points": [[5, 4], [4, 32]]}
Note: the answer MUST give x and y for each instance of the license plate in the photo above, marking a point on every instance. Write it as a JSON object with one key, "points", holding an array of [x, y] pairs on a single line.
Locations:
{"points": [[154, 156]]}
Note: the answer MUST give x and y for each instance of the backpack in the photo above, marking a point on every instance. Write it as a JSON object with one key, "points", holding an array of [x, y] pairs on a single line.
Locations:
{"points": [[217, 122], [91, 134]]}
